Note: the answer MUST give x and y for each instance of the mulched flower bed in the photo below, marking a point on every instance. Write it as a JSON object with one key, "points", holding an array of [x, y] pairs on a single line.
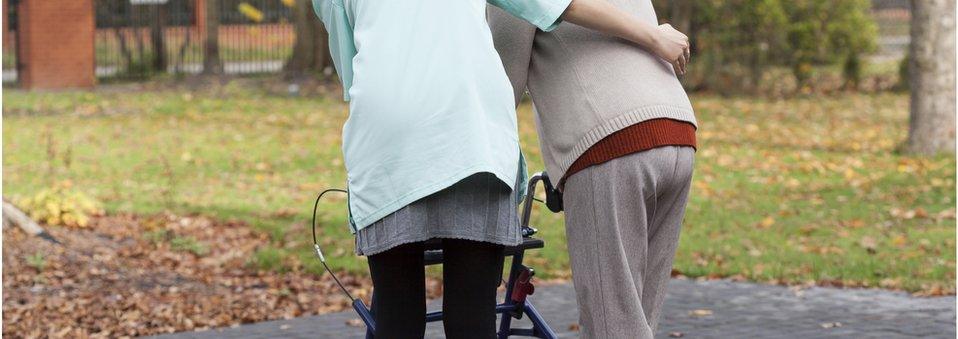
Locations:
{"points": [[133, 276]]}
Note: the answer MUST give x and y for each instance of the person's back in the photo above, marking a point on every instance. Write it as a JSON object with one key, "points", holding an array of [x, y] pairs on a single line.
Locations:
{"points": [[423, 73], [586, 85], [424, 58]]}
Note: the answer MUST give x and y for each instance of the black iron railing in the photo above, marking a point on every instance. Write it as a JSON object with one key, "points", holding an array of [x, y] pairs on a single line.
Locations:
{"points": [[139, 38]]}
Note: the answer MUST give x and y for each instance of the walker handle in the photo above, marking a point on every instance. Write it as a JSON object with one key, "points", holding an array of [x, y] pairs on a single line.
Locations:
{"points": [[553, 196]]}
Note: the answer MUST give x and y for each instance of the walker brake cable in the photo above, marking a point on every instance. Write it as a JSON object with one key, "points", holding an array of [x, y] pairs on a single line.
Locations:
{"points": [[319, 251]]}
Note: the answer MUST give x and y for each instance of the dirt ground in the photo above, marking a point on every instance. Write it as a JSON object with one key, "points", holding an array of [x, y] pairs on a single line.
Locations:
{"points": [[132, 276]]}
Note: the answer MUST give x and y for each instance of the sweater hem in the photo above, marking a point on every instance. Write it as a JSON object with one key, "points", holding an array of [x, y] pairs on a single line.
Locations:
{"points": [[618, 123]]}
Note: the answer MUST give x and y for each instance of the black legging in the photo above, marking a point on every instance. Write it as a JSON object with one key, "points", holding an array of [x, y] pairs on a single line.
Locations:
{"points": [[471, 273]]}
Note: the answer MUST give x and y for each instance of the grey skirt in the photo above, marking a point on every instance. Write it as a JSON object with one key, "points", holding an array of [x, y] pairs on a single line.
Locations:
{"points": [[479, 208]]}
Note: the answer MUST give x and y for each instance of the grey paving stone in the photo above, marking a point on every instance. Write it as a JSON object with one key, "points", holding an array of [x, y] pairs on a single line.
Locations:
{"points": [[739, 310]]}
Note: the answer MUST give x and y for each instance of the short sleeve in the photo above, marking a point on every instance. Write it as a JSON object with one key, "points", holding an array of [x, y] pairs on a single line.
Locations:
{"points": [[342, 48], [544, 14]]}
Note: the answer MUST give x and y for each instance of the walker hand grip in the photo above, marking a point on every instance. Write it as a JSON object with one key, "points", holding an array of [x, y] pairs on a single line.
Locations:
{"points": [[553, 196]]}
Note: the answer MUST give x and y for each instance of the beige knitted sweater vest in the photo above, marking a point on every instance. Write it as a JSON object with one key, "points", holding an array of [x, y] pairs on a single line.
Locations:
{"points": [[586, 85]]}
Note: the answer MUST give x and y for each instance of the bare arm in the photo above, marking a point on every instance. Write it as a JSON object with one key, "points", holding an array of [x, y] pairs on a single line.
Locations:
{"points": [[663, 40]]}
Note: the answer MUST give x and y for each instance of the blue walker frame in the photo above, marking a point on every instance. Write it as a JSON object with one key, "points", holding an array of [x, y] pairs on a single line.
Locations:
{"points": [[518, 274]]}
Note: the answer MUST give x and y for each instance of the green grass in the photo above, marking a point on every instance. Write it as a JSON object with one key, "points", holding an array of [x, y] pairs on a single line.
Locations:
{"points": [[9, 59], [37, 261], [805, 189], [189, 244]]}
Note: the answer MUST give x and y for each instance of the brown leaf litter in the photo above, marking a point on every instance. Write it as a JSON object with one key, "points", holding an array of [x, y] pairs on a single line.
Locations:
{"points": [[125, 276]]}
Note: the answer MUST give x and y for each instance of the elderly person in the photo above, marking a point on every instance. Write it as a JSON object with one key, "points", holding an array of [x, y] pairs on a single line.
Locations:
{"points": [[431, 146], [618, 132]]}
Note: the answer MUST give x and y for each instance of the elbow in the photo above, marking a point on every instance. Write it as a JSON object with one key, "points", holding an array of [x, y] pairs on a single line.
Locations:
{"points": [[572, 11]]}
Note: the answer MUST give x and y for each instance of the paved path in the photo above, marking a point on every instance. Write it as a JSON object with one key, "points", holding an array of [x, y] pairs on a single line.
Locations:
{"points": [[709, 309]]}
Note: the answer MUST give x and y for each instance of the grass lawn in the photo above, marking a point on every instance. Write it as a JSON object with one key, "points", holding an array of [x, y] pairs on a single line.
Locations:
{"points": [[790, 191]]}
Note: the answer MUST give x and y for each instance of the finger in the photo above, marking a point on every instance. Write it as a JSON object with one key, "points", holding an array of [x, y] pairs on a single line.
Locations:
{"points": [[684, 63], [688, 55], [677, 67]]}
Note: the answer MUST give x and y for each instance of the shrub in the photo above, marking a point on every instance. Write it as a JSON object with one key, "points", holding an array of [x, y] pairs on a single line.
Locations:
{"points": [[61, 205], [826, 32], [749, 36]]}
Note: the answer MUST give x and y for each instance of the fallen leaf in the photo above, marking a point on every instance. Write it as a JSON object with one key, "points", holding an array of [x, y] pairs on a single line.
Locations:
{"points": [[855, 223], [868, 243], [899, 240], [766, 223], [890, 283], [946, 214], [700, 313]]}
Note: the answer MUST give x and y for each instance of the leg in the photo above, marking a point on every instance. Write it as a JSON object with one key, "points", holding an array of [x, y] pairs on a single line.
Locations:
{"points": [[609, 210], [399, 298], [664, 235], [471, 272]]}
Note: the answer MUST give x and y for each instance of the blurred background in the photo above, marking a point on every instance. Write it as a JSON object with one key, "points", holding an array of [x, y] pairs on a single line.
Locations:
{"points": [[165, 155]]}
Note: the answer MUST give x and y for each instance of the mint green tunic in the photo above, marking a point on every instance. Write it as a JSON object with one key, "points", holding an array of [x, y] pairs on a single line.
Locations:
{"points": [[429, 100]]}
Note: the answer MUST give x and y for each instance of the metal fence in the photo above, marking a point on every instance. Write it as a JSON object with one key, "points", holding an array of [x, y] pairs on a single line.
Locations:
{"points": [[10, 41], [894, 20], [138, 38]]}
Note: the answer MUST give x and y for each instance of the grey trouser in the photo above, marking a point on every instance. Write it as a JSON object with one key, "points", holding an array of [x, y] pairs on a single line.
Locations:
{"points": [[622, 222]]}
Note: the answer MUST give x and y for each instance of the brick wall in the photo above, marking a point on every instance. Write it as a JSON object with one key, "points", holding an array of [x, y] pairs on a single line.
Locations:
{"points": [[56, 44]]}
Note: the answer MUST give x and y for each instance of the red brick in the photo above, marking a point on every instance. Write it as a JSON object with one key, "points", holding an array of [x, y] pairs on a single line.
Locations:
{"points": [[56, 44]]}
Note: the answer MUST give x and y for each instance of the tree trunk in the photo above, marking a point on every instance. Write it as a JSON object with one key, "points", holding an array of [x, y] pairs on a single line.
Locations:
{"points": [[310, 51], [932, 77], [158, 36], [681, 13], [212, 64]]}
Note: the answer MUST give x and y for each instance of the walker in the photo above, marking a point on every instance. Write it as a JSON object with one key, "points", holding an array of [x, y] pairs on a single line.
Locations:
{"points": [[518, 287]]}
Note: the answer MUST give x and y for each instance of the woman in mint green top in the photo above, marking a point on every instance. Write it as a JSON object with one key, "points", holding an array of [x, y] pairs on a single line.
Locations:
{"points": [[431, 150], [428, 96], [431, 146]]}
